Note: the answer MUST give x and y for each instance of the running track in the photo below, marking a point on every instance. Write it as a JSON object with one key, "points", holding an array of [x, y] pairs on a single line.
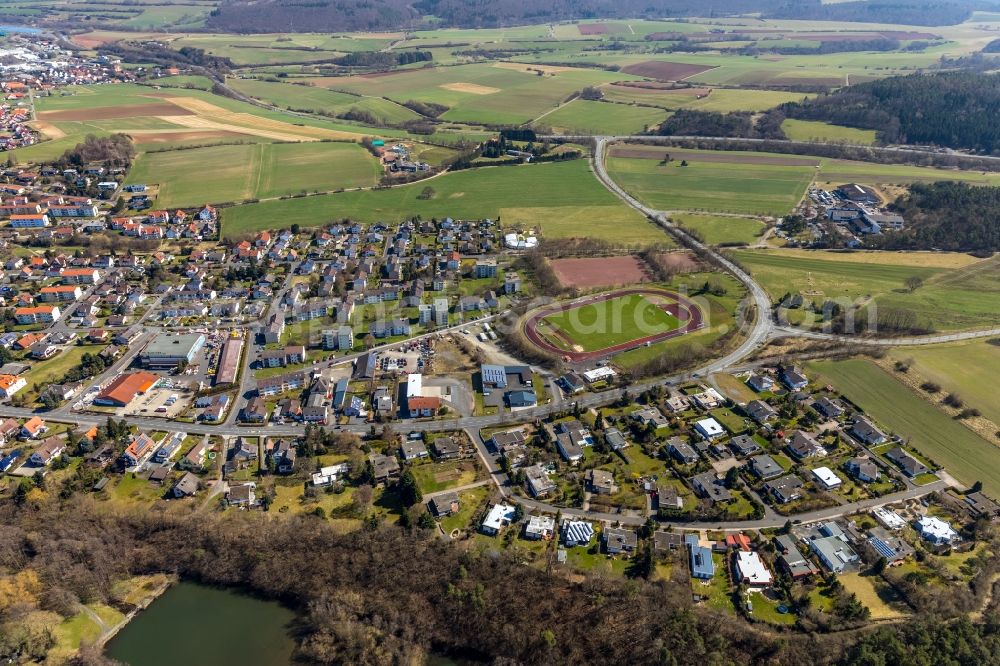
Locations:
{"points": [[683, 309]]}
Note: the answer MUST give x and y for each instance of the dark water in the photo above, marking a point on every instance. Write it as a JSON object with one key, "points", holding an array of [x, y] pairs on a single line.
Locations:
{"points": [[195, 625]]}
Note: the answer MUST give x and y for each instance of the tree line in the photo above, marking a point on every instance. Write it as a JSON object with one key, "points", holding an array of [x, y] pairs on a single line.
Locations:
{"points": [[946, 216]]}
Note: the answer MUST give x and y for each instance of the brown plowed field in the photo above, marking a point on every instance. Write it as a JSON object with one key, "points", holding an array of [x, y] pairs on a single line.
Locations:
{"points": [[665, 71], [731, 157], [592, 272], [594, 28], [153, 136], [110, 112], [656, 87]]}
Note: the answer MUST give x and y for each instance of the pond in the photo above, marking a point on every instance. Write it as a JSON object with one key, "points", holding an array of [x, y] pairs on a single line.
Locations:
{"points": [[196, 624]]}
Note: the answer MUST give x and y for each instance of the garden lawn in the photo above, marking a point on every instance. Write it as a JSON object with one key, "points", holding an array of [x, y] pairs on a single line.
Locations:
{"points": [[54, 370], [618, 225], [872, 593], [433, 477], [931, 432], [600, 325]]}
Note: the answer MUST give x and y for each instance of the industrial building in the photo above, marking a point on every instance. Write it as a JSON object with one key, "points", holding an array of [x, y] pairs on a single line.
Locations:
{"points": [[170, 351], [229, 362], [125, 388]]}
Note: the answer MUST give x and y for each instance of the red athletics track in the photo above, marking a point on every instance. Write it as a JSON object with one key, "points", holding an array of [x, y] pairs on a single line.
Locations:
{"points": [[685, 311]]}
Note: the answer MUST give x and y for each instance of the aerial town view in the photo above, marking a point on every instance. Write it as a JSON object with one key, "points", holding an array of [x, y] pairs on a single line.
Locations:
{"points": [[453, 332]]}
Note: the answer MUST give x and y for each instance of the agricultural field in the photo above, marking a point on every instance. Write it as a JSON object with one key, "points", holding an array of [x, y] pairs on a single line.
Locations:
{"points": [[245, 171], [807, 130], [949, 366], [614, 224], [598, 326], [934, 434], [752, 183], [722, 230], [746, 184], [589, 117], [497, 93], [473, 193], [964, 296], [305, 97]]}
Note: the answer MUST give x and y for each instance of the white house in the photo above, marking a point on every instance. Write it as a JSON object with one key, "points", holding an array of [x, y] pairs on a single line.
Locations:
{"points": [[750, 569], [936, 530], [500, 516], [709, 428], [826, 479]]}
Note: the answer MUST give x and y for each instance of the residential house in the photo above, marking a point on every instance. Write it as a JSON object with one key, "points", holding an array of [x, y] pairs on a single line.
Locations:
{"points": [[446, 448], [709, 486], [576, 533], [863, 469], [744, 445], [444, 505], [910, 465], [186, 486], [700, 558], [802, 445], [601, 482], [864, 431], [384, 467], [765, 467], [794, 378], [760, 382], [619, 540], [499, 516], [539, 527], [785, 489], [50, 449], [682, 451]]}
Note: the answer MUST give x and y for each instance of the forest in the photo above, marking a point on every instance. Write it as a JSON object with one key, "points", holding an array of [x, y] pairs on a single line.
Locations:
{"points": [[947, 216], [952, 109], [349, 15], [739, 125], [391, 595]]}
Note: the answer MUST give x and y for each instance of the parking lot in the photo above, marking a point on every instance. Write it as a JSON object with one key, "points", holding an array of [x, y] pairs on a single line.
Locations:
{"points": [[166, 402]]}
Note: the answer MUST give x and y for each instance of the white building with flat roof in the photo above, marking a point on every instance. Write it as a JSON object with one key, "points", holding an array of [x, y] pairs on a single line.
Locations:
{"points": [[826, 478], [936, 530], [709, 428], [889, 518], [414, 385], [750, 569], [500, 516], [598, 374]]}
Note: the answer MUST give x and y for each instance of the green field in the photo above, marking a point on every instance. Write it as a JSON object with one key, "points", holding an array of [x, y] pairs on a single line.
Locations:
{"points": [[469, 194], [724, 100], [607, 323], [966, 456], [589, 117], [950, 298], [313, 98], [752, 183], [953, 368], [731, 187], [480, 93], [615, 224], [237, 172], [717, 229], [807, 130]]}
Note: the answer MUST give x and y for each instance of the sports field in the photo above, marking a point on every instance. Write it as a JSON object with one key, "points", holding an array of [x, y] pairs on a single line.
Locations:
{"points": [[719, 230], [965, 455], [966, 296], [237, 172], [469, 194], [607, 323]]}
